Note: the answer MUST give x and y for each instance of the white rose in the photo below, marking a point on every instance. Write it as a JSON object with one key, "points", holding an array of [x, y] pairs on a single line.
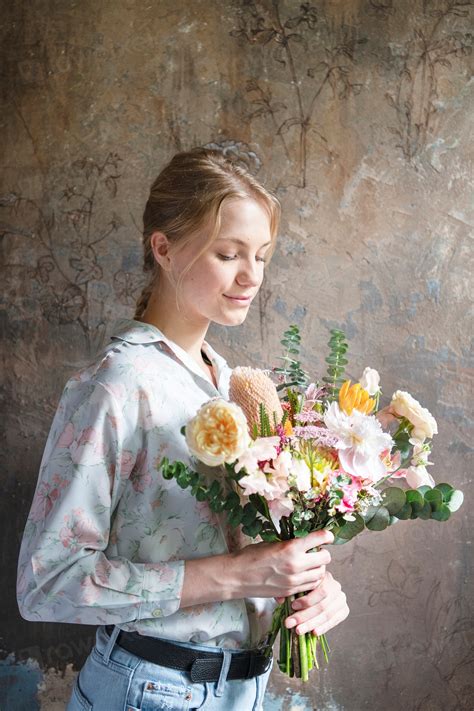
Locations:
{"points": [[218, 433], [424, 424], [370, 381]]}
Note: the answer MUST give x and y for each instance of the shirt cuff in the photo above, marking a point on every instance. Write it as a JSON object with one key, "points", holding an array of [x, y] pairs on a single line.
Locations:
{"points": [[162, 589]]}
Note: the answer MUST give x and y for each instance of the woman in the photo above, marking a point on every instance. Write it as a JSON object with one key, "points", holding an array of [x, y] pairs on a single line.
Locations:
{"points": [[108, 541]]}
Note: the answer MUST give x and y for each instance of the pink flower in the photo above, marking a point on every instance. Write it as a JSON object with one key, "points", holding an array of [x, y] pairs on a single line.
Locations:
{"points": [[88, 448], [415, 476], [165, 572], [361, 441], [260, 450], [79, 532], [280, 507], [66, 438], [256, 483], [127, 460], [345, 505]]}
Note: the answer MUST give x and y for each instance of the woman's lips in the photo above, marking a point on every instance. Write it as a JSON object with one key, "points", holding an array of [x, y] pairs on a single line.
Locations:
{"points": [[242, 300]]}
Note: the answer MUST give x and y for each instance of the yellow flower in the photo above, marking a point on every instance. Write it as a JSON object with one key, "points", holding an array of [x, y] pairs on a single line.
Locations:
{"points": [[248, 388], [354, 397], [218, 433]]}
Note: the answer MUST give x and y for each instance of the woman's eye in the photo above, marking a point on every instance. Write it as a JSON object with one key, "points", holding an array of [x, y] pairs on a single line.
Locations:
{"points": [[226, 257], [261, 259]]}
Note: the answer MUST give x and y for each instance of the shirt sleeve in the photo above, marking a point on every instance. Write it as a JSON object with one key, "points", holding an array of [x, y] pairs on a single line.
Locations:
{"points": [[64, 574]]}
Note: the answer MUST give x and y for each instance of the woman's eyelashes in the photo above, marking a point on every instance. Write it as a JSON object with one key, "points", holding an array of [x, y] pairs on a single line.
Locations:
{"points": [[230, 257]]}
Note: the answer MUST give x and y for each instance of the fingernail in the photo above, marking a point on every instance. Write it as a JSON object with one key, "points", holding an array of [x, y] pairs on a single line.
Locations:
{"points": [[290, 623], [296, 605]]}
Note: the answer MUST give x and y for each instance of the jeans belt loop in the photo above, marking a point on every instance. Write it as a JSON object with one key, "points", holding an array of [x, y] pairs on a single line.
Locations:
{"points": [[114, 633], [226, 659]]}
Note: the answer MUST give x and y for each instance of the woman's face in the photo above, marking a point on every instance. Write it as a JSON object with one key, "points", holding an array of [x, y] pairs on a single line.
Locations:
{"points": [[223, 282]]}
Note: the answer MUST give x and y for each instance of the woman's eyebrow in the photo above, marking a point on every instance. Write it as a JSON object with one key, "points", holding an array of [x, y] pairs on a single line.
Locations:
{"points": [[239, 241]]}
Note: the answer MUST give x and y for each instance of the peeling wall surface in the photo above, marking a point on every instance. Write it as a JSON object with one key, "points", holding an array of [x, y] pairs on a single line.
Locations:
{"points": [[358, 114]]}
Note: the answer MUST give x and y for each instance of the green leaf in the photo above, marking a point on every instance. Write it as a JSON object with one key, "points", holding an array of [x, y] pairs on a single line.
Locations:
{"points": [[405, 512], [435, 497], [442, 513], [393, 498], [403, 446], [249, 514], [415, 499], [232, 500], [423, 489], [201, 494], [445, 489], [269, 536], [349, 529], [252, 529], [425, 512], [380, 520], [235, 517], [455, 500], [215, 489]]}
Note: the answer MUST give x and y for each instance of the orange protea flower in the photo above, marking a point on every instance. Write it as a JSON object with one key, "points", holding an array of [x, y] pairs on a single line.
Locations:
{"points": [[354, 397], [248, 388]]}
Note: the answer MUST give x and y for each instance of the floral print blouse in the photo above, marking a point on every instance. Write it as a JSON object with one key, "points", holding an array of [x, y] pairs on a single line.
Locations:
{"points": [[107, 536]]}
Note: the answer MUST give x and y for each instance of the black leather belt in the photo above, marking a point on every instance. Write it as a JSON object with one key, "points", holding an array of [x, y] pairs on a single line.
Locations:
{"points": [[201, 666]]}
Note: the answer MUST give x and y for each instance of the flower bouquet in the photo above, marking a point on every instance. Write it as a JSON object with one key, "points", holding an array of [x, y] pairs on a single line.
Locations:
{"points": [[297, 456]]}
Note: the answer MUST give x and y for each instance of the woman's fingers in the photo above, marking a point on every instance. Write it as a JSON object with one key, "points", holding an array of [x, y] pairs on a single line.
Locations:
{"points": [[321, 617], [327, 586], [317, 538], [319, 610]]}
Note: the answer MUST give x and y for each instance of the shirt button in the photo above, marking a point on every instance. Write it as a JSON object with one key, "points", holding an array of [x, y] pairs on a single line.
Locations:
{"points": [[157, 612], [188, 696]]}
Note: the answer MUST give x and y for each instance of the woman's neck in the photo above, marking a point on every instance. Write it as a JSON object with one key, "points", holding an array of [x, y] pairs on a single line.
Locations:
{"points": [[173, 324]]}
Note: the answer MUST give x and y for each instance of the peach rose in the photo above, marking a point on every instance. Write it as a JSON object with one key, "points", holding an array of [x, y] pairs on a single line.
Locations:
{"points": [[218, 433], [424, 424]]}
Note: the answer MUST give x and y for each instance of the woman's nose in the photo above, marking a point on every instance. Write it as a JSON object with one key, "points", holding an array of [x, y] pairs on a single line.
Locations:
{"points": [[249, 275]]}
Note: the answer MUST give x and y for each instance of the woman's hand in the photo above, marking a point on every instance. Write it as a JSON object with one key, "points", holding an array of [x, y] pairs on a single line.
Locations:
{"points": [[275, 569], [282, 568], [319, 610]]}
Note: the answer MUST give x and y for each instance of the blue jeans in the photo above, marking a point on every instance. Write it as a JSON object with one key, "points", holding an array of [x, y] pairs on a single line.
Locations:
{"points": [[112, 679]]}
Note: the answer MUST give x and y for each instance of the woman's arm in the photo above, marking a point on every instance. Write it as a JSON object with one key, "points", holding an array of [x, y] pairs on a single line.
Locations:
{"points": [[63, 572], [258, 570]]}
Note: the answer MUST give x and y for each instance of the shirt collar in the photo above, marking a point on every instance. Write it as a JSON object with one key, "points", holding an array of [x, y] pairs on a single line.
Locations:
{"points": [[137, 332]]}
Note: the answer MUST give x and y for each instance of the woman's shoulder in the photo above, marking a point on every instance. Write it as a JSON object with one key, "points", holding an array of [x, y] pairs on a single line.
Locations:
{"points": [[124, 365]]}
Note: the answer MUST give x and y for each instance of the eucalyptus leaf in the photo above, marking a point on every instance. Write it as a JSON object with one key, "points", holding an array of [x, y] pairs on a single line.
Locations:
{"points": [[393, 498], [415, 497], [405, 512], [435, 497], [455, 500], [423, 489], [442, 513], [445, 489], [349, 529], [380, 521], [425, 512]]}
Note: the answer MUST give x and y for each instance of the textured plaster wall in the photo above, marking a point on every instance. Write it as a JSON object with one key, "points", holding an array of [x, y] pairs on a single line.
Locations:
{"points": [[359, 115]]}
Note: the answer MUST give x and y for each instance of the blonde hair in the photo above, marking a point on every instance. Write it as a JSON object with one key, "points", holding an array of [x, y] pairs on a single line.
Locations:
{"points": [[187, 196]]}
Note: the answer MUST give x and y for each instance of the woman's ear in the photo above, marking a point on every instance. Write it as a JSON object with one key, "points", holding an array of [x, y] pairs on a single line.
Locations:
{"points": [[161, 249]]}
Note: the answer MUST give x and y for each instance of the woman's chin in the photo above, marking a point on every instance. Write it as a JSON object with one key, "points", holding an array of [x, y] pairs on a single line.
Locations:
{"points": [[232, 319]]}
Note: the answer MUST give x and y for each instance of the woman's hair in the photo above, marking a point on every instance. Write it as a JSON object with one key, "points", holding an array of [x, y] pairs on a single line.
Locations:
{"points": [[188, 196]]}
